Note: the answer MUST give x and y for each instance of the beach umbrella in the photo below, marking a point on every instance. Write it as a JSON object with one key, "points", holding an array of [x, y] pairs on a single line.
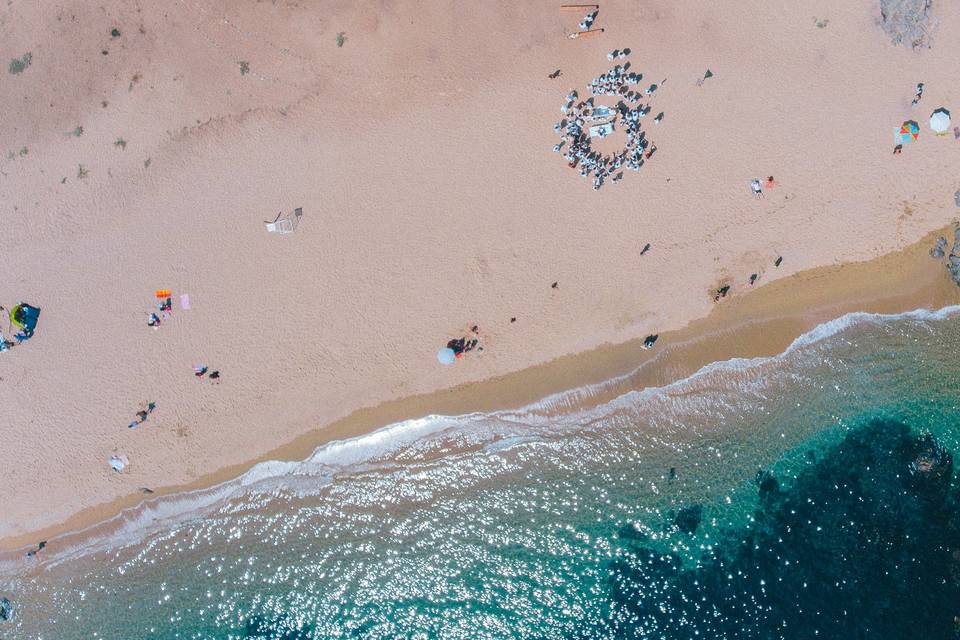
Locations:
{"points": [[446, 356], [940, 120], [909, 131]]}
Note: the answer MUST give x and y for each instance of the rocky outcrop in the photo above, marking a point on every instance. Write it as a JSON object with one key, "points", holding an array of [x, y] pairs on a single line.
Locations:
{"points": [[907, 22], [939, 248], [953, 260]]}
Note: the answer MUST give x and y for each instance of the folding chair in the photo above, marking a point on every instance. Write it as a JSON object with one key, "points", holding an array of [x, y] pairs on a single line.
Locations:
{"points": [[285, 225]]}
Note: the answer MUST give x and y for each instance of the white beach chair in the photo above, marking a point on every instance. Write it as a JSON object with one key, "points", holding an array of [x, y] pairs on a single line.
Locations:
{"points": [[284, 225]]}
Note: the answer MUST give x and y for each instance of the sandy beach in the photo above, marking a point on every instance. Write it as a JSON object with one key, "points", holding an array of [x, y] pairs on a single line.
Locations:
{"points": [[145, 146]]}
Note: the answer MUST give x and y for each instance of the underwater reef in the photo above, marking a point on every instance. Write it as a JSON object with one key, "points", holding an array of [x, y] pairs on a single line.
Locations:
{"points": [[863, 543]]}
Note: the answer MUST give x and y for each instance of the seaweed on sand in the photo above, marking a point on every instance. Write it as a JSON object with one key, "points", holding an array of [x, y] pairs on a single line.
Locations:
{"points": [[18, 65]]}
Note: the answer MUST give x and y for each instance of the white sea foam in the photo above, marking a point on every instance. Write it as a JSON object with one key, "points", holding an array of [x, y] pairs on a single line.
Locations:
{"points": [[818, 334], [495, 432]]}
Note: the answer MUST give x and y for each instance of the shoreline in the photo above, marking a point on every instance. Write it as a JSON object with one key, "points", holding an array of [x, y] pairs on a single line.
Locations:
{"points": [[753, 324]]}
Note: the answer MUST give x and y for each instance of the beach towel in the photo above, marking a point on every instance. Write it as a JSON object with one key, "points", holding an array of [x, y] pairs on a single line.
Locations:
{"points": [[184, 300], [118, 463]]}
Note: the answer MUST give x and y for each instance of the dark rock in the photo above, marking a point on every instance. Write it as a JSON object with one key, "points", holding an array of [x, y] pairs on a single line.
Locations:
{"points": [[688, 519], [6, 609]]}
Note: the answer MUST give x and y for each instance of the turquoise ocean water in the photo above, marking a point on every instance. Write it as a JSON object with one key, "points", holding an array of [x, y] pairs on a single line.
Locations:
{"points": [[808, 495]]}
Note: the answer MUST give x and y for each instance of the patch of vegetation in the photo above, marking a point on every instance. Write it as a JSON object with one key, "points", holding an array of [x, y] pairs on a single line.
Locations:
{"points": [[244, 67], [120, 143], [146, 163], [24, 151], [341, 38], [114, 33], [76, 133], [17, 65], [82, 171]]}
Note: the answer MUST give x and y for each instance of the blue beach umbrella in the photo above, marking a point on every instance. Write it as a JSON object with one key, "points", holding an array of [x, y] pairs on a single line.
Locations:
{"points": [[446, 356]]}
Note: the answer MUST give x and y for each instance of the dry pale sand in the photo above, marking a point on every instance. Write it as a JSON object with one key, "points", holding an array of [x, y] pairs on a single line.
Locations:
{"points": [[421, 153]]}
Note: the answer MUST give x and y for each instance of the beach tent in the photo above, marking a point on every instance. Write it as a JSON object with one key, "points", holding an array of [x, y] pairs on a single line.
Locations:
{"points": [[25, 317], [940, 120], [909, 131]]}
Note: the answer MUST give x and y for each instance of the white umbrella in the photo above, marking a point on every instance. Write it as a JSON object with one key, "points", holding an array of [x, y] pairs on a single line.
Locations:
{"points": [[940, 120], [446, 356]]}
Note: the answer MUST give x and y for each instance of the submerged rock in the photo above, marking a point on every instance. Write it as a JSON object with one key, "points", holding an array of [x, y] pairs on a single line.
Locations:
{"points": [[907, 22], [930, 464], [766, 482], [688, 519]]}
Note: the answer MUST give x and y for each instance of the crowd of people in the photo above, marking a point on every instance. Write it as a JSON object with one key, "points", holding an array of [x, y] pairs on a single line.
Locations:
{"points": [[586, 119]]}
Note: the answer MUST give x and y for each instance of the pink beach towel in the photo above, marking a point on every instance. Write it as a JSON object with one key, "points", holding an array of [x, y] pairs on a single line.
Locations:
{"points": [[184, 300]]}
